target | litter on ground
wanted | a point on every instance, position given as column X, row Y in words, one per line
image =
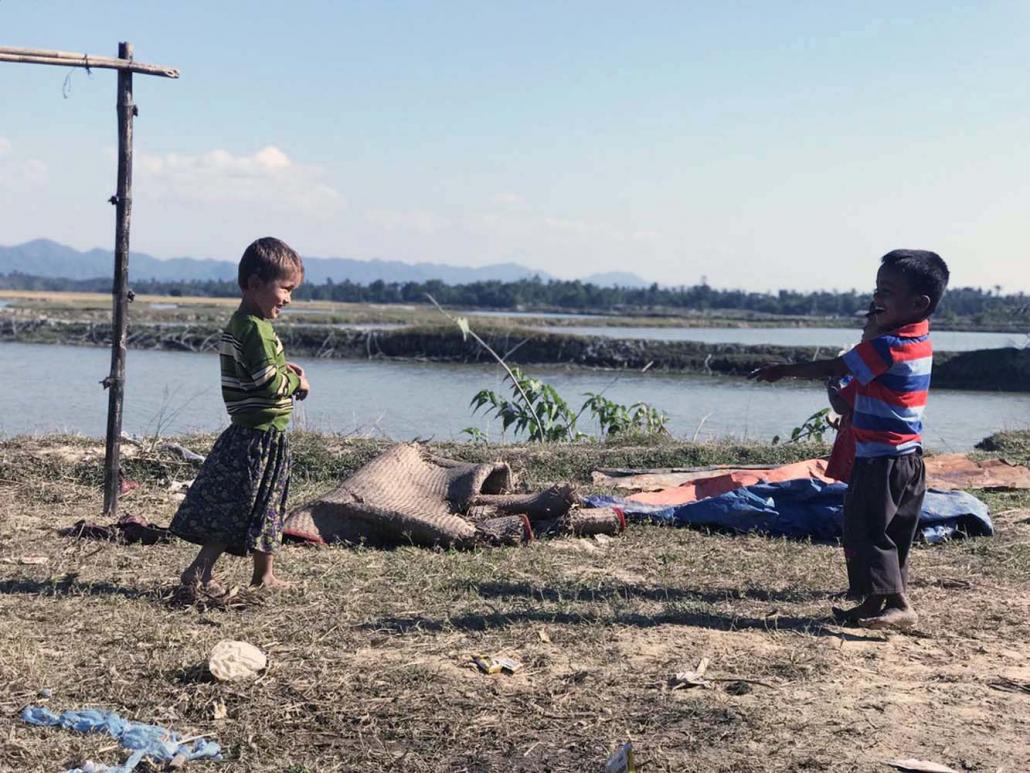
column 920, row 766
column 145, row 741
column 235, row 661
column 495, row 664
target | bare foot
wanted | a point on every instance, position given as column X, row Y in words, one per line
column 871, row 607
column 892, row 617
column 195, row 581
column 270, row 583
column 264, row 572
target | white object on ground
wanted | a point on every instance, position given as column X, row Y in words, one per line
column 233, row 661
column 923, row 766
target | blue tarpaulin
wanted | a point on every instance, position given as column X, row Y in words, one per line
column 804, row 509
column 153, row 741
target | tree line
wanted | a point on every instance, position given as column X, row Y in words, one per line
column 984, row 305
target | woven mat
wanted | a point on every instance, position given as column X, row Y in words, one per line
column 403, row 496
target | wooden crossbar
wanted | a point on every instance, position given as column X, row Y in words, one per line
column 68, row 59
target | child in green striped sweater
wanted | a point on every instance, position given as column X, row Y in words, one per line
column 238, row 501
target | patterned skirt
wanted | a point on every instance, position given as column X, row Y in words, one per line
column 239, row 497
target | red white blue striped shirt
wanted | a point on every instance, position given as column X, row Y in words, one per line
column 893, row 375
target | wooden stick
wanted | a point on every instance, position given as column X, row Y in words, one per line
column 120, row 301
column 67, row 59
column 42, row 52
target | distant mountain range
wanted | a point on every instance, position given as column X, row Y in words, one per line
column 43, row 257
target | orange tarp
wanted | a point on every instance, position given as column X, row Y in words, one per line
column 654, row 480
column 720, row 483
column 957, row 471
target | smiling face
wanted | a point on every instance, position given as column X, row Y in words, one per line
column 895, row 303
column 267, row 299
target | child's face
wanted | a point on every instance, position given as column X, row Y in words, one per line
column 895, row 303
column 267, row 299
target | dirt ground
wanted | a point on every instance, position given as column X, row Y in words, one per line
column 369, row 652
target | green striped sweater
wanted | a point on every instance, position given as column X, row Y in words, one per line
column 256, row 384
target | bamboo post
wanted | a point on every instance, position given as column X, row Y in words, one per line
column 119, row 319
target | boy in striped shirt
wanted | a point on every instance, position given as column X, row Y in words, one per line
column 888, row 482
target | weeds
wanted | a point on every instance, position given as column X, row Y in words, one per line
column 812, row 428
column 539, row 412
column 616, row 419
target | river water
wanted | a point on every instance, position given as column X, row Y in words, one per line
column 56, row 388
column 831, row 338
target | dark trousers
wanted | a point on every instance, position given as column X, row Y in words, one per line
column 881, row 515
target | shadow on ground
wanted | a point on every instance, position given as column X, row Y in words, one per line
column 524, row 592
column 70, row 585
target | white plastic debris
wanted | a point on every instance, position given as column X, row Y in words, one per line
column 924, row 766
column 233, row 661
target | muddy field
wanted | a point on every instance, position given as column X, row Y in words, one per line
column 369, row 652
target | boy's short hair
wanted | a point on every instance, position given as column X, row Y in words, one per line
column 268, row 259
column 926, row 273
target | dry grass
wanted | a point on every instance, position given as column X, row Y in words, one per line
column 369, row 653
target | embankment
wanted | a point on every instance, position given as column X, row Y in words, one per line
column 989, row 369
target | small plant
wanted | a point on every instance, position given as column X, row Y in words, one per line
column 476, row 435
column 542, row 413
column 813, row 428
column 616, row 419
column 545, row 416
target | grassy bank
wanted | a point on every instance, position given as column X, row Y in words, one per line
column 194, row 309
column 369, row 652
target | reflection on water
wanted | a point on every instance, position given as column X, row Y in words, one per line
column 528, row 314
column 369, row 325
column 174, row 392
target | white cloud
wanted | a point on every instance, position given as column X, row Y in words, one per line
column 268, row 178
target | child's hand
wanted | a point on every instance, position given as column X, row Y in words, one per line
column 303, row 388
column 296, row 368
column 767, row 373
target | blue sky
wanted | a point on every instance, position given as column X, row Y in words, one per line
column 759, row 144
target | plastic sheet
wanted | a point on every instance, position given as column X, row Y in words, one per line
column 153, row 741
column 805, row 508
